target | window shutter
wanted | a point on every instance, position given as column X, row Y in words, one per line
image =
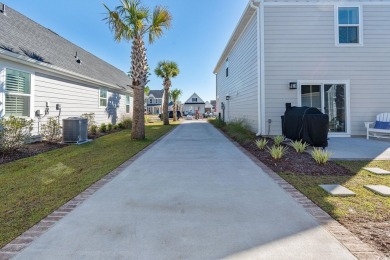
column 17, row 82
column 17, row 87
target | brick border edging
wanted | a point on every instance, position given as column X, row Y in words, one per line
column 26, row 238
column 357, row 247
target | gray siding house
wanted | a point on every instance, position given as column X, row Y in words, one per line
column 39, row 69
column 154, row 102
column 333, row 55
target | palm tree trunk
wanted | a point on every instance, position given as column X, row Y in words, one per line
column 165, row 106
column 139, row 77
column 174, row 111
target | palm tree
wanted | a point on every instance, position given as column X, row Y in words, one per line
column 175, row 94
column 166, row 70
column 131, row 22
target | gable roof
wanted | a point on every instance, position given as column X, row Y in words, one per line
column 157, row 93
column 24, row 40
column 199, row 100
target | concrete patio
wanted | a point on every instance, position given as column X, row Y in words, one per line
column 359, row 148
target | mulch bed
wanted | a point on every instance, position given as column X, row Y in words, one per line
column 377, row 234
column 32, row 149
column 28, row 150
column 293, row 162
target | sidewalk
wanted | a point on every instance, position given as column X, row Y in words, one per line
column 194, row 195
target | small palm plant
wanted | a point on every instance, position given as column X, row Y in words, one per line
column 277, row 152
column 321, row 156
column 261, row 143
column 278, row 139
column 299, row 146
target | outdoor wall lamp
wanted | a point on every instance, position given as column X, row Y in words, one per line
column 293, row 85
column 227, row 97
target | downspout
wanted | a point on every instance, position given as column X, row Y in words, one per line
column 258, row 5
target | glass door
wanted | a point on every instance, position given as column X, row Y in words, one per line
column 330, row 99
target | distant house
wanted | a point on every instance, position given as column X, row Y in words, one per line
column 44, row 75
column 154, row 102
column 213, row 103
column 208, row 107
column 194, row 104
column 333, row 55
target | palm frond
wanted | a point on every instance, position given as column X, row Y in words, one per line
column 161, row 20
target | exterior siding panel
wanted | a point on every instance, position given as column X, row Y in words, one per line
column 300, row 45
column 241, row 84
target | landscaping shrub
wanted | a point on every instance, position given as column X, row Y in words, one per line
column 299, row 146
column 94, row 129
column 261, row 143
column 91, row 120
column 14, row 132
column 109, row 127
column 278, row 139
column 321, row 156
column 115, row 127
column 51, row 131
column 239, row 130
column 277, row 152
column 103, row 128
column 127, row 123
column 218, row 123
column 120, row 126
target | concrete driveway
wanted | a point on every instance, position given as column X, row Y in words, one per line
column 194, row 195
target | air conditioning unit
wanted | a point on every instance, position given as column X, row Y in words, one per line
column 75, row 130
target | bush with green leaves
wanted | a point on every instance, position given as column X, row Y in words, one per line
column 299, row 146
column 277, row 151
column 120, row 126
column 127, row 122
column 109, row 127
column 115, row 127
column 278, row 139
column 239, row 131
column 14, row 132
column 103, row 128
column 94, row 129
column 51, row 131
column 321, row 156
column 261, row 143
column 91, row 120
column 218, row 123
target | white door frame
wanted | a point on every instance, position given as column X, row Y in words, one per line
column 347, row 100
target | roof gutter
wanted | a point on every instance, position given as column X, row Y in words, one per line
column 259, row 6
column 54, row 69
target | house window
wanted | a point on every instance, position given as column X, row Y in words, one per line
column 150, row 101
column 349, row 25
column 103, row 97
column 227, row 67
column 194, row 99
column 127, row 104
column 156, row 101
column 17, row 93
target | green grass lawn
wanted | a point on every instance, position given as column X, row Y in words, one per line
column 365, row 206
column 32, row 188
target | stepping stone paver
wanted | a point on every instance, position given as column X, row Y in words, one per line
column 377, row 170
column 380, row 189
column 337, row 190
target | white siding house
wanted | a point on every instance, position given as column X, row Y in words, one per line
column 336, row 53
column 39, row 69
column 194, row 105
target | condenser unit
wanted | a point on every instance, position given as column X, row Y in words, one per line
column 75, row 130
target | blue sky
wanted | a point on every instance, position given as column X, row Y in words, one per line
column 199, row 33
